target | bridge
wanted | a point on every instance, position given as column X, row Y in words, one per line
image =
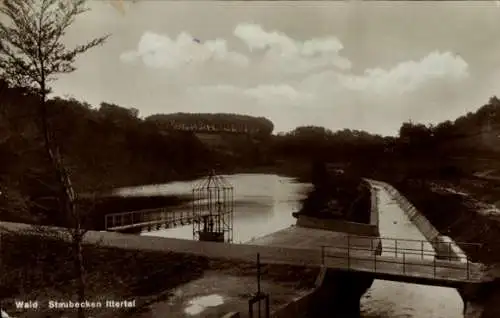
column 351, row 253
column 403, row 260
column 410, row 261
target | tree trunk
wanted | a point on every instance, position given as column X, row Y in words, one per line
column 80, row 271
column 68, row 208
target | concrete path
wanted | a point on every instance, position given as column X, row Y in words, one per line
column 295, row 237
column 388, row 206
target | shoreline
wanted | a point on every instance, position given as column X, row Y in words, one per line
column 114, row 203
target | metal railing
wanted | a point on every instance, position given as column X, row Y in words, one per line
column 402, row 257
column 150, row 217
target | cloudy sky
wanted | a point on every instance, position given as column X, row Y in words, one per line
column 355, row 65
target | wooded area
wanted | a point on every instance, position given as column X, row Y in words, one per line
column 111, row 146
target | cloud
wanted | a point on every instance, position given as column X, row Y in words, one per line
column 310, row 81
column 403, row 78
column 292, row 55
column 410, row 75
column 278, row 65
column 264, row 94
column 278, row 93
column 159, row 51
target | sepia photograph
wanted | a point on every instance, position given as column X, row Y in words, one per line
column 249, row 159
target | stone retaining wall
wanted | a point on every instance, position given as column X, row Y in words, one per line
column 301, row 306
column 328, row 296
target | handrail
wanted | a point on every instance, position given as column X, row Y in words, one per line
column 165, row 209
column 392, row 244
column 405, row 262
column 407, row 240
column 145, row 217
column 401, row 254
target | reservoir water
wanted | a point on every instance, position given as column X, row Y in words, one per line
column 264, row 203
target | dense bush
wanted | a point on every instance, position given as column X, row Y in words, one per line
column 337, row 195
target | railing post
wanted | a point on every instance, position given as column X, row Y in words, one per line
column 404, row 260
column 434, row 267
column 348, row 252
column 258, row 274
column 375, row 262
column 468, row 267
column 422, row 248
column 323, row 255
column 396, row 248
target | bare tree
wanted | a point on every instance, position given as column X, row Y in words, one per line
column 32, row 54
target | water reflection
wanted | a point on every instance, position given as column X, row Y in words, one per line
column 199, row 304
column 262, row 204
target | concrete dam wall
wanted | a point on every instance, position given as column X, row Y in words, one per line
column 444, row 246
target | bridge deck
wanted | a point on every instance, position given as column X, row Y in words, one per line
column 306, row 238
column 353, row 257
column 403, row 260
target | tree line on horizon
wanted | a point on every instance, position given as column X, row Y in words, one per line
column 212, row 122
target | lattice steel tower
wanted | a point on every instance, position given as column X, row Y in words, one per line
column 213, row 207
